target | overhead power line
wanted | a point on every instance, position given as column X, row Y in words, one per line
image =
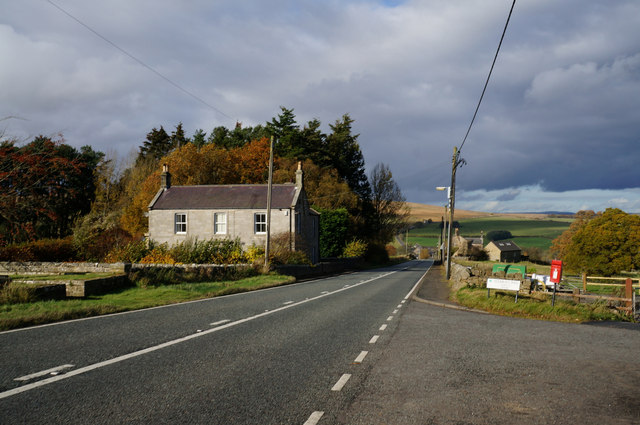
column 504, row 31
column 167, row 79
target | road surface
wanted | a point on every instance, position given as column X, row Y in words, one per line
column 289, row 355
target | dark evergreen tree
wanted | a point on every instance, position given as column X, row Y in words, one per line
column 178, row 138
column 346, row 156
column 199, row 138
column 157, row 145
column 286, row 132
column 314, row 142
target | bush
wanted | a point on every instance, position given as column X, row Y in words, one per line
column 96, row 246
column 538, row 256
column 191, row 251
column 391, row 250
column 424, row 254
column 281, row 252
column 499, row 235
column 132, row 252
column 355, row 248
column 40, row 250
column 376, row 254
column 212, row 251
column 255, row 254
column 478, row 254
column 156, row 276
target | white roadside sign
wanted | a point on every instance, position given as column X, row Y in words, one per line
column 504, row 284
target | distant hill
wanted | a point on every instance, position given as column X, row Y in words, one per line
column 435, row 213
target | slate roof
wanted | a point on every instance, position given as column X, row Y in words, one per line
column 506, row 245
column 239, row 196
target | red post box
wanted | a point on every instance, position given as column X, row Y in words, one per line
column 556, row 271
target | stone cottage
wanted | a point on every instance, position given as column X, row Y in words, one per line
column 234, row 211
column 504, row 251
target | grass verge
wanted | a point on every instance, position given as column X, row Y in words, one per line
column 14, row 316
column 537, row 306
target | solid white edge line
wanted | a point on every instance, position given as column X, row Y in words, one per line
column 220, row 322
column 374, row 339
column 44, row 372
column 103, row 316
column 361, row 357
column 314, row 418
column 341, row 382
column 417, row 283
column 118, row 359
column 383, row 327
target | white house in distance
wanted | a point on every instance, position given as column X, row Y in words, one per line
column 234, row 211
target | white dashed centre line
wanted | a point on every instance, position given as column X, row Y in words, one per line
column 383, row 327
column 395, row 311
column 341, row 382
column 374, row 339
column 361, row 357
column 144, row 351
column 53, row 371
column 390, row 318
column 399, row 306
column 314, row 418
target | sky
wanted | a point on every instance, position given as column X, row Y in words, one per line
column 558, row 128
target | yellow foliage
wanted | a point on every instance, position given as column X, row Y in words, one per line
column 158, row 256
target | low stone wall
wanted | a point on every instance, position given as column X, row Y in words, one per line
column 462, row 276
column 40, row 268
column 320, row 269
column 98, row 286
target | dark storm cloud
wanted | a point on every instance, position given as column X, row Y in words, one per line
column 561, row 112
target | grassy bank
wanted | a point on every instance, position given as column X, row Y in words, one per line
column 536, row 306
column 36, row 313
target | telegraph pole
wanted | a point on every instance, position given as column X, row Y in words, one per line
column 269, row 187
column 457, row 161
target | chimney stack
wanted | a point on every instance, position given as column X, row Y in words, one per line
column 165, row 177
column 299, row 176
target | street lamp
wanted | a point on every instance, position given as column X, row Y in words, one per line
column 448, row 230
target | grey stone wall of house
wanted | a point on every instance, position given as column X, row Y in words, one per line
column 200, row 225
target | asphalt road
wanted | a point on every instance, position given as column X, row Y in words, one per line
column 290, row 355
column 450, row 367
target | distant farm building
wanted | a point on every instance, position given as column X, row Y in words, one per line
column 503, row 251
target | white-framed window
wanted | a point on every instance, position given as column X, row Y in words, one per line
column 180, row 220
column 220, row 223
column 260, row 223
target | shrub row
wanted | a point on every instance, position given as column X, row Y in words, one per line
column 56, row 250
column 155, row 276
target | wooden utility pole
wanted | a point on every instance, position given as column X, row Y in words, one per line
column 451, row 205
column 269, row 187
column 457, row 161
